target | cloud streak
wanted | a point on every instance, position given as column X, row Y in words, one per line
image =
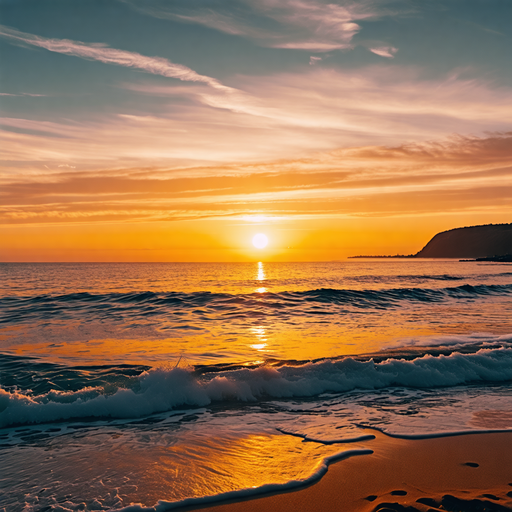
column 462, row 174
column 22, row 94
column 312, row 25
column 102, row 53
column 267, row 118
column 385, row 51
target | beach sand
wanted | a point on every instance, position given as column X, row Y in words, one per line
column 470, row 472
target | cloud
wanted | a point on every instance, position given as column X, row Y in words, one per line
column 313, row 60
column 373, row 102
column 460, row 174
column 312, row 25
column 269, row 117
column 385, row 51
column 329, row 26
column 22, row 94
column 102, row 53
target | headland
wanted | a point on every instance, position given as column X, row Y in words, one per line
column 489, row 242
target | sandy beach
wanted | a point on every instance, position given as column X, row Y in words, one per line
column 470, row 472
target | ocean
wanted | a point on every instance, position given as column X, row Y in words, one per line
column 147, row 386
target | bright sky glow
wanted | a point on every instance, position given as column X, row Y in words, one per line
column 345, row 127
column 256, row 218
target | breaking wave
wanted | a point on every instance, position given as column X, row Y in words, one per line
column 159, row 390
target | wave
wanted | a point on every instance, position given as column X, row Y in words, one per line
column 205, row 305
column 160, row 390
column 412, row 277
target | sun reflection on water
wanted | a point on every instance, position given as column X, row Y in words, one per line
column 261, row 338
column 221, row 464
column 174, row 464
column 260, row 276
column 261, row 272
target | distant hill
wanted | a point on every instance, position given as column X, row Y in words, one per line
column 470, row 242
column 490, row 242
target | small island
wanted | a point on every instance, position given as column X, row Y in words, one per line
column 399, row 256
column 505, row 258
column 488, row 242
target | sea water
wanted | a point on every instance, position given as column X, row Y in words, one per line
column 153, row 385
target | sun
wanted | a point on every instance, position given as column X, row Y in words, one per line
column 260, row 241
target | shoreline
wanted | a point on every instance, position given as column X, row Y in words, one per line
column 456, row 472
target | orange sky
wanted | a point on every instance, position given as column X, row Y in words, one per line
column 335, row 128
column 367, row 200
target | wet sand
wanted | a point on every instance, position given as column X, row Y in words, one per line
column 470, row 472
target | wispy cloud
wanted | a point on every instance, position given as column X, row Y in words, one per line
column 460, row 174
column 102, row 53
column 269, row 117
column 329, row 26
column 22, row 94
column 312, row 25
column 385, row 51
column 373, row 102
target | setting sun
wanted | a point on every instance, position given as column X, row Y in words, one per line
column 260, row 241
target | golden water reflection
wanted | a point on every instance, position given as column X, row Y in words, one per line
column 169, row 464
column 261, row 338
column 260, row 276
column 226, row 465
column 261, row 272
column 302, row 341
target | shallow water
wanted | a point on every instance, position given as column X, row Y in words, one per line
column 233, row 313
column 134, row 383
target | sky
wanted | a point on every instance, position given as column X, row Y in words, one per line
column 176, row 130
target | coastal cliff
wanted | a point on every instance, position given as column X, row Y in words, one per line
column 470, row 242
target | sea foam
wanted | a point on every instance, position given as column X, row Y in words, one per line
column 161, row 389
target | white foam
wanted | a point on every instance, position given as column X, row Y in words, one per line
column 343, row 440
column 453, row 341
column 162, row 390
column 435, row 435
